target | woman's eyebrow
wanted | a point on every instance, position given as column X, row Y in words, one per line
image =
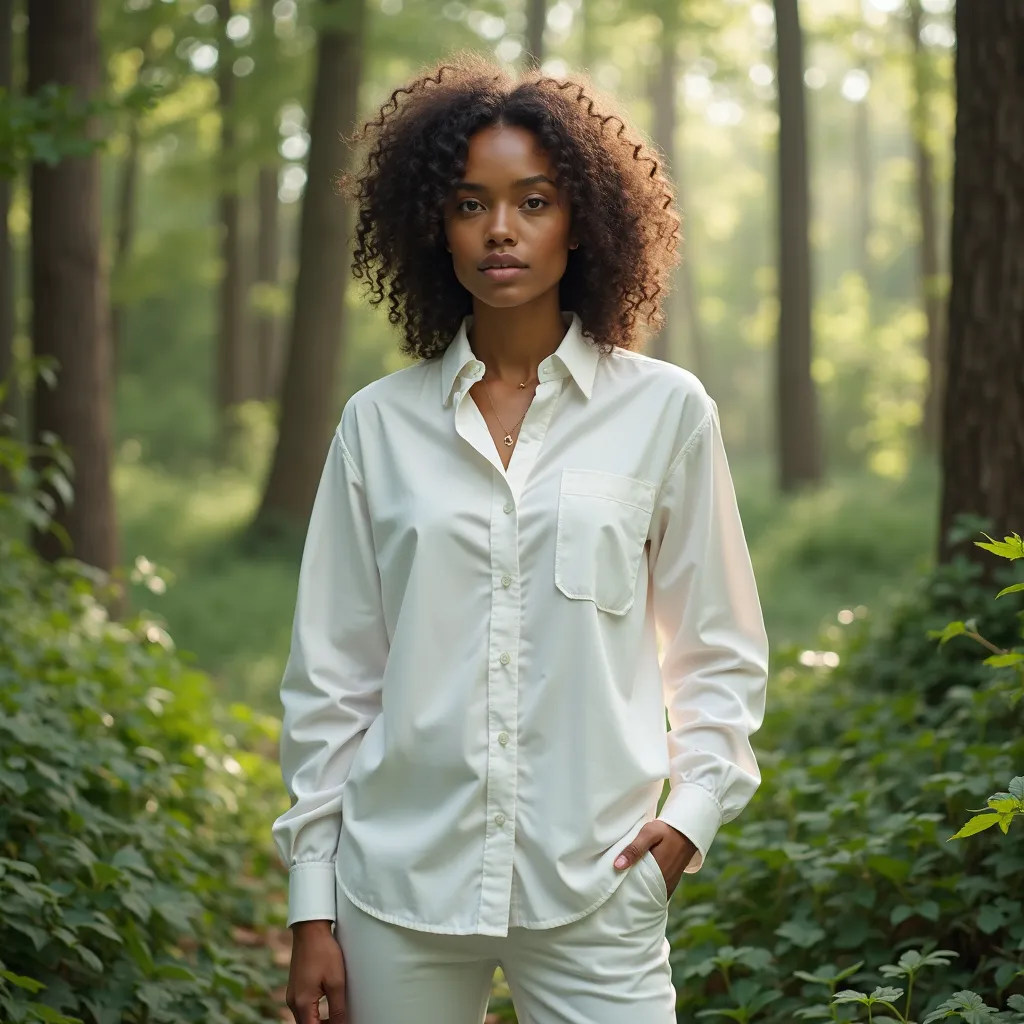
column 473, row 186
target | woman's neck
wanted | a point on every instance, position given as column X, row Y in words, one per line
column 513, row 342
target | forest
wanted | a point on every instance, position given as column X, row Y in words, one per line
column 180, row 329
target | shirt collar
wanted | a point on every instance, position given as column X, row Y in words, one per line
column 575, row 357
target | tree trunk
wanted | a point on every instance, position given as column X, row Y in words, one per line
column 928, row 253
column 7, row 400
column 688, row 299
column 798, row 439
column 536, row 19
column 307, row 396
column 663, row 104
column 124, row 232
column 69, row 300
column 267, row 256
column 267, row 332
column 983, row 418
column 231, row 383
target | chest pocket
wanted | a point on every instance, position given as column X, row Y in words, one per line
column 603, row 520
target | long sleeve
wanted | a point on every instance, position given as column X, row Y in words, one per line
column 331, row 687
column 715, row 650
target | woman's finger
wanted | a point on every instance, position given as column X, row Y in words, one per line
column 337, row 1009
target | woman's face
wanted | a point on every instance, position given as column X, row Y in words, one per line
column 508, row 204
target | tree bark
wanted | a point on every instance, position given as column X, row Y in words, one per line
column 268, row 253
column 69, row 300
column 307, row 395
column 124, row 232
column 799, row 443
column 663, row 105
column 536, row 19
column 231, row 378
column 7, row 401
column 268, row 249
column 983, row 417
column 928, row 251
column 688, row 298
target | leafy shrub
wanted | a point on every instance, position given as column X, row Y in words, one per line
column 136, row 872
column 842, row 864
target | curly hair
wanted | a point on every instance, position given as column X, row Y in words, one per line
column 622, row 203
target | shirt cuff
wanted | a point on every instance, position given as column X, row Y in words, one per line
column 312, row 892
column 692, row 810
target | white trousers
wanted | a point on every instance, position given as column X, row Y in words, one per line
column 609, row 967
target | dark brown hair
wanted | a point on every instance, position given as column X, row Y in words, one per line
column 622, row 204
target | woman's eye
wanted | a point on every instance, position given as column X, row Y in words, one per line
column 532, row 199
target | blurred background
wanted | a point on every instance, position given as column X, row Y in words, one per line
column 179, row 332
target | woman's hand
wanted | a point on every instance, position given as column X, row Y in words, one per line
column 317, row 969
column 671, row 849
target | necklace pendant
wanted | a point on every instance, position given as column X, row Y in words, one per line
column 523, row 385
column 508, row 440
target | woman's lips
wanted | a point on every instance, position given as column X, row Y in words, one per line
column 504, row 273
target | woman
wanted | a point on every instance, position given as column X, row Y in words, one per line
column 474, row 702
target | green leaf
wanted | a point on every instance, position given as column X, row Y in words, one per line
column 990, row 919
column 50, row 1015
column 104, row 874
column 1016, row 788
column 29, row 984
column 977, row 824
column 1011, row 547
column 814, row 1013
column 800, row 933
column 1014, row 589
column 1004, row 660
column 174, row 972
column 951, row 630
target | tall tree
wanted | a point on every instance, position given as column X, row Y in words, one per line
column 983, row 418
column 68, row 288
column 268, row 244
column 317, row 327
column 126, row 203
column 6, row 260
column 799, row 440
column 928, row 259
column 664, row 81
column 865, row 169
column 536, row 19
column 662, row 90
column 231, row 378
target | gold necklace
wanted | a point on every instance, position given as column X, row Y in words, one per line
column 508, row 433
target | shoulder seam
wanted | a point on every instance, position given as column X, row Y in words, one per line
column 682, row 453
column 348, row 456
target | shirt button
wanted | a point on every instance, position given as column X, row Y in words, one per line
column 506, row 580
column 499, row 819
column 503, row 738
column 504, row 659
column 507, row 507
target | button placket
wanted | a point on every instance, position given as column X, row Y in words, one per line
column 502, row 714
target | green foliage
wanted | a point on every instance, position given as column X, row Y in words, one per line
column 842, row 863
column 137, row 878
column 52, row 125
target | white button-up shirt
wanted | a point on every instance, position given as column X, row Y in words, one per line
column 474, row 698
